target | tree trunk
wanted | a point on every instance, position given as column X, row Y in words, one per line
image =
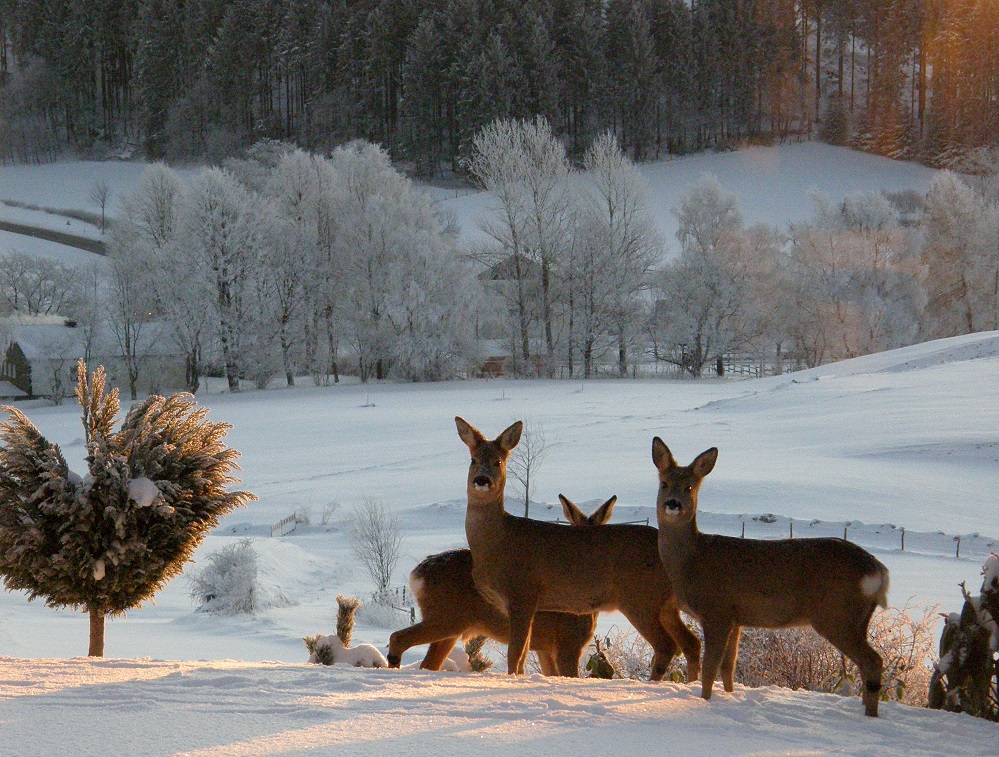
column 97, row 618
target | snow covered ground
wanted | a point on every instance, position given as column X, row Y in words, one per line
column 904, row 439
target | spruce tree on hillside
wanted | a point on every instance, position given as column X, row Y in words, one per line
column 110, row 541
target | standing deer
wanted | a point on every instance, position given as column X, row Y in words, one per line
column 521, row 566
column 452, row 608
column 727, row 582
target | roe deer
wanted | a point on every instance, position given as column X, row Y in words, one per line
column 728, row 582
column 452, row 608
column 521, row 566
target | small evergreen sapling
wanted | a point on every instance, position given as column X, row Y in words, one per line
column 108, row 542
column 346, row 608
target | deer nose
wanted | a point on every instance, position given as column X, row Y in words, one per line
column 673, row 505
column 482, row 482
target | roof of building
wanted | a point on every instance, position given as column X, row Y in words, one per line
column 52, row 341
column 10, row 392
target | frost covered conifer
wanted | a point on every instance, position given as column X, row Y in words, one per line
column 110, row 541
column 966, row 678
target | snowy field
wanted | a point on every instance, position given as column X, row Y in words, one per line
column 904, row 439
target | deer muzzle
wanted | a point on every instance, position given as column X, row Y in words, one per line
column 672, row 506
column 482, row 483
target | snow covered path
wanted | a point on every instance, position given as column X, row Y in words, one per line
column 237, row 709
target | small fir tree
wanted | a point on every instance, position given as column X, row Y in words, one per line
column 346, row 607
column 477, row 661
column 110, row 541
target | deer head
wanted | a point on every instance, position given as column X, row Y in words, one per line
column 678, row 484
column 576, row 517
column 487, row 471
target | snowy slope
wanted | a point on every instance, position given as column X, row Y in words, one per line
column 774, row 184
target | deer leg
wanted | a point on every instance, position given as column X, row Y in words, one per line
column 576, row 634
column 663, row 646
column 549, row 665
column 437, row 653
column 729, row 658
column 521, row 617
column 851, row 640
column 669, row 616
column 423, row 632
column 715, row 640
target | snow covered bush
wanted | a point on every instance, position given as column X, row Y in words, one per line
column 966, row 678
column 329, row 650
column 108, row 542
column 228, row 582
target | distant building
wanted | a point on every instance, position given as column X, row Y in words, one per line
column 40, row 358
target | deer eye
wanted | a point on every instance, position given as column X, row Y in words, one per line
column 689, row 488
column 664, row 486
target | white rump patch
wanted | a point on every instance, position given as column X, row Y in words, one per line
column 415, row 586
column 872, row 584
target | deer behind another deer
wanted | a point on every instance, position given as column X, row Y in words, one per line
column 521, row 566
column 452, row 608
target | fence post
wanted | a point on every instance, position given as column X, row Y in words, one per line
column 791, row 524
column 903, row 539
column 844, row 532
column 958, row 552
column 743, row 529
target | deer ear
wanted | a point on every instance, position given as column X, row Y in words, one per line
column 509, row 438
column 572, row 513
column 468, row 433
column 661, row 455
column 704, row 463
column 602, row 514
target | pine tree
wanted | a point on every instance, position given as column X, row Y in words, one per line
column 109, row 542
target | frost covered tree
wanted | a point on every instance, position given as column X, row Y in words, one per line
column 619, row 245
column 149, row 236
column 223, row 237
column 525, row 167
column 376, row 538
column 109, row 541
column 704, row 302
column 961, row 236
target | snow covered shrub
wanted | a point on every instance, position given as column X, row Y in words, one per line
column 329, row 650
column 228, row 583
column 966, row 678
column 108, row 542
column 376, row 539
column 379, row 612
column 631, row 656
column 798, row 658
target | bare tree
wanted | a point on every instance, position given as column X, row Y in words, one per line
column 99, row 195
column 376, row 538
column 526, row 458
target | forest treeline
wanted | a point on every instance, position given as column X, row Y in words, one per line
column 203, row 78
